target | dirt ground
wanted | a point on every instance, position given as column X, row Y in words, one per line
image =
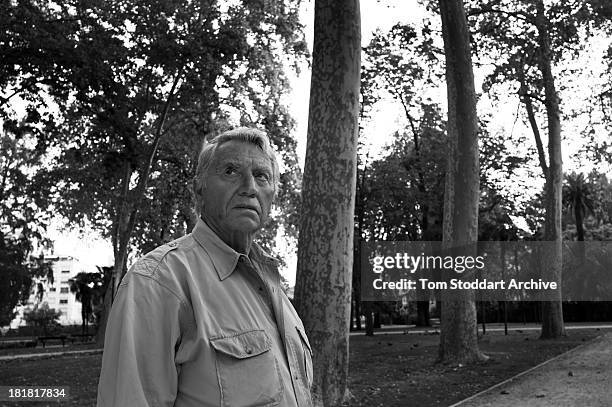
column 385, row 370
column 400, row 370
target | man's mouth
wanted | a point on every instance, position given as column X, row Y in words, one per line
column 252, row 208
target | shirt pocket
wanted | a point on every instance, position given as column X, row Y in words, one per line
column 307, row 354
column 247, row 370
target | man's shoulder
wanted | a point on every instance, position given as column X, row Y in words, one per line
column 158, row 256
column 165, row 264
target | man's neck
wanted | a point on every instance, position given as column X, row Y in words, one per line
column 239, row 241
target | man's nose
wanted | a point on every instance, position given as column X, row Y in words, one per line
column 248, row 186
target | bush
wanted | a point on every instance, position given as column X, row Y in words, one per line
column 42, row 317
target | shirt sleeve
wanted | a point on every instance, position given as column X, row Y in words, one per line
column 138, row 365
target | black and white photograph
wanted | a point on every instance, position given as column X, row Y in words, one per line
column 306, row 203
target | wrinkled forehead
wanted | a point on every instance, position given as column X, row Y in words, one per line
column 241, row 153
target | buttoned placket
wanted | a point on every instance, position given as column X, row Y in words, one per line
column 302, row 393
column 261, row 286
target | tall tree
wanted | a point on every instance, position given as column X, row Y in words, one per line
column 458, row 338
column 88, row 290
column 325, row 245
column 528, row 39
column 403, row 63
column 552, row 311
column 22, row 225
column 134, row 79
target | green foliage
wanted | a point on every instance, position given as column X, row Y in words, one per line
column 15, row 279
column 403, row 192
column 577, row 193
column 97, row 81
column 17, row 269
column 402, row 63
column 400, row 195
column 602, row 196
column 506, row 33
column 42, row 317
column 89, row 289
column 21, row 223
column 590, row 198
column 508, row 45
column 406, row 187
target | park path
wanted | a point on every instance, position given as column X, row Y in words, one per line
column 580, row 377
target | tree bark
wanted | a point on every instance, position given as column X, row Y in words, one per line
column 325, row 243
column 458, row 338
column 552, row 312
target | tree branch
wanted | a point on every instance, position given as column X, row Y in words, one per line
column 520, row 15
column 534, row 127
column 144, row 177
column 533, row 96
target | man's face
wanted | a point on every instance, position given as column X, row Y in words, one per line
column 239, row 189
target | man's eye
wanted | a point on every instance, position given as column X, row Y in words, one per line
column 230, row 171
column 263, row 177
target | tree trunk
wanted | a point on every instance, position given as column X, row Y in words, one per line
column 579, row 222
column 377, row 323
column 325, row 243
column 502, row 255
column 356, row 278
column 458, row 336
column 483, row 314
column 355, row 305
column 369, row 320
column 423, row 313
column 552, row 312
column 580, row 247
column 358, row 326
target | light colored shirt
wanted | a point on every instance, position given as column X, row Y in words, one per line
column 195, row 323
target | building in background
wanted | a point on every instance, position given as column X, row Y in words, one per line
column 55, row 293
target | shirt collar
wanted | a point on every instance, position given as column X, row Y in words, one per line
column 223, row 257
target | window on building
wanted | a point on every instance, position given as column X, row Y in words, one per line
column 63, row 301
column 65, row 271
column 64, row 290
column 51, row 288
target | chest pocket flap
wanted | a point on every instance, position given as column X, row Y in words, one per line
column 243, row 345
column 247, row 370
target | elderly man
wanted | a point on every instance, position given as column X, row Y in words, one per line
column 202, row 321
